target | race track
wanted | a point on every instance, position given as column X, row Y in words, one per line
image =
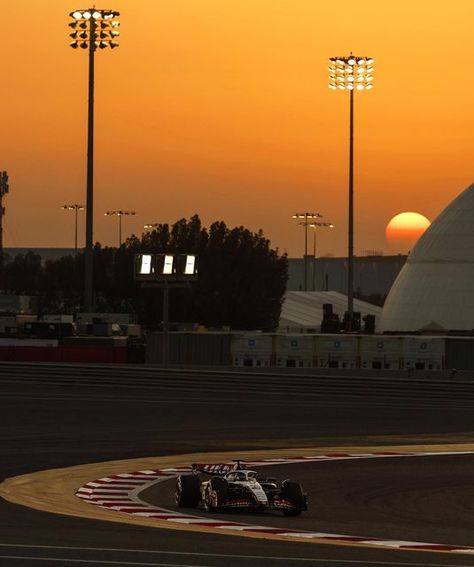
column 52, row 420
column 380, row 498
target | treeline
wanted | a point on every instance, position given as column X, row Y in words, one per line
column 241, row 281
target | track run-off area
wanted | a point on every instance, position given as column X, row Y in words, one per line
column 66, row 429
column 51, row 491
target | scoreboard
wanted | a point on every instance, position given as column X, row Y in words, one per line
column 166, row 267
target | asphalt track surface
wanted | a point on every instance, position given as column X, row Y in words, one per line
column 55, row 419
column 379, row 497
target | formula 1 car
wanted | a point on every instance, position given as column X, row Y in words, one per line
column 235, row 487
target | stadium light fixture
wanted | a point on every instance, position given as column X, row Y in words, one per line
column 76, row 208
column 305, row 221
column 352, row 73
column 89, row 22
column 120, row 214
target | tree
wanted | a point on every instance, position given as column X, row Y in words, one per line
column 61, row 284
column 241, row 279
column 23, row 274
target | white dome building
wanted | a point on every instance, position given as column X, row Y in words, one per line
column 435, row 288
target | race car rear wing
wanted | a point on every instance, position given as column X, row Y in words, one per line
column 217, row 469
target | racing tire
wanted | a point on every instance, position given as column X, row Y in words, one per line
column 293, row 492
column 219, row 486
column 188, row 491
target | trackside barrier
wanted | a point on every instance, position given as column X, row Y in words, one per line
column 206, row 349
column 423, row 353
column 382, row 352
column 459, row 353
column 294, row 351
column 63, row 354
column 264, row 350
column 338, row 351
column 253, row 350
column 305, row 350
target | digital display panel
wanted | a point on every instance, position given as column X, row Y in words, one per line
column 168, row 265
column 190, row 265
column 172, row 268
column 145, row 264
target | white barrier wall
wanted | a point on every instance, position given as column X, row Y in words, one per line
column 337, row 351
column 381, row 352
column 252, row 350
column 384, row 352
column 423, row 353
column 294, row 351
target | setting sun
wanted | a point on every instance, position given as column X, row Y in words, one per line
column 224, row 109
column 404, row 229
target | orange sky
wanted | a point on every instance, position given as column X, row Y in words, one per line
column 221, row 108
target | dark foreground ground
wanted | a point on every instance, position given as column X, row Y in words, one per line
column 51, row 424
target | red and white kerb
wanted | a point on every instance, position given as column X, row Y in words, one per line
column 120, row 493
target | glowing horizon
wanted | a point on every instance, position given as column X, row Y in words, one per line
column 224, row 110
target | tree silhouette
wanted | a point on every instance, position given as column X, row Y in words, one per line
column 241, row 279
column 23, row 274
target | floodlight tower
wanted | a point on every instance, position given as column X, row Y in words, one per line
column 4, row 190
column 120, row 214
column 74, row 208
column 93, row 29
column 305, row 223
column 352, row 73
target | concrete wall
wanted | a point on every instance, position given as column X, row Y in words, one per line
column 323, row 351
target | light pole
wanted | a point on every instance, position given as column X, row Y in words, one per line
column 4, row 190
column 93, row 29
column 74, row 208
column 120, row 214
column 352, row 73
column 305, row 223
column 315, row 226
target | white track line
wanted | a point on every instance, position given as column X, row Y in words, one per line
column 221, row 555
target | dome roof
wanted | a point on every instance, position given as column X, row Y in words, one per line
column 436, row 284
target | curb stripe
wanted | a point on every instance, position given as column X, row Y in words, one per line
column 119, row 493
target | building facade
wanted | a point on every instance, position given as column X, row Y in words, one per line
column 373, row 275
